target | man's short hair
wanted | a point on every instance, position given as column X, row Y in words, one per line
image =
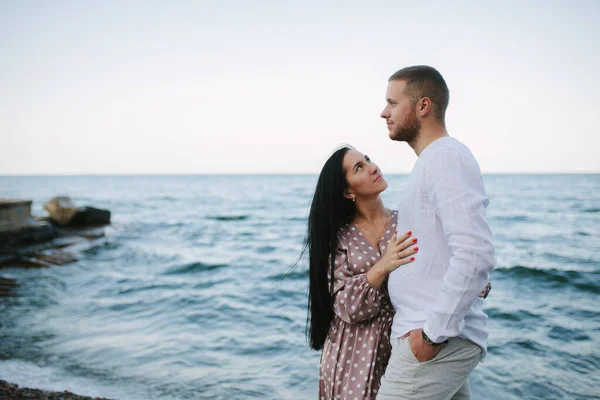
column 424, row 81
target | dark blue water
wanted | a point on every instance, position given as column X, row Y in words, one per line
column 184, row 297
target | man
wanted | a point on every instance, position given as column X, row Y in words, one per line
column 439, row 332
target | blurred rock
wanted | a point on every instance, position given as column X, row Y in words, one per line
column 35, row 242
column 32, row 231
column 90, row 216
column 63, row 212
column 61, row 209
column 10, row 391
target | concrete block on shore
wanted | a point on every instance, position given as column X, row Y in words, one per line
column 14, row 214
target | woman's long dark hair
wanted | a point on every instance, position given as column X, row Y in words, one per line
column 329, row 211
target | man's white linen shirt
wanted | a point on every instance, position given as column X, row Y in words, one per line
column 444, row 205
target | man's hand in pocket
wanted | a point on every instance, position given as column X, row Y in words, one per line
column 422, row 351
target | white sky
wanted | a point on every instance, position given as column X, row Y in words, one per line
column 275, row 86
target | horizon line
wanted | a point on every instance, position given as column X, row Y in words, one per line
column 70, row 174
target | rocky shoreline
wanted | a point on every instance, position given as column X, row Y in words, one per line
column 39, row 242
column 10, row 391
column 32, row 242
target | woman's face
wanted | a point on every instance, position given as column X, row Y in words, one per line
column 363, row 176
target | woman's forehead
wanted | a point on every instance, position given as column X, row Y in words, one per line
column 353, row 156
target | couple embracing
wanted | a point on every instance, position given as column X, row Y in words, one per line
column 396, row 296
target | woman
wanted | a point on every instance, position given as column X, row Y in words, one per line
column 350, row 314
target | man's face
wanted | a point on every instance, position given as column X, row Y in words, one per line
column 400, row 114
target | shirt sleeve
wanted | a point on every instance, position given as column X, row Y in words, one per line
column 455, row 188
column 354, row 299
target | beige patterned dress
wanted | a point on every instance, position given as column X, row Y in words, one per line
column 357, row 349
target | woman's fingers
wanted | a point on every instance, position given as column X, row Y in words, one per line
column 401, row 246
column 397, row 239
column 408, row 253
column 407, row 243
column 403, row 242
column 404, row 261
column 401, row 238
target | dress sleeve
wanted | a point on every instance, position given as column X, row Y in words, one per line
column 354, row 299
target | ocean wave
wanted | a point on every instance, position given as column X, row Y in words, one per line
column 511, row 218
column 577, row 313
column 141, row 229
column 569, row 260
column 581, row 233
column 193, row 268
column 567, row 335
column 229, row 217
column 266, row 249
column 163, row 198
column 102, row 247
column 517, row 316
column 528, row 345
column 585, row 281
column 292, row 274
column 209, row 284
column 144, row 288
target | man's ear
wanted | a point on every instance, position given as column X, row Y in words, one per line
column 424, row 106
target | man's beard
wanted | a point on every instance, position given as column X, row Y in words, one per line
column 409, row 130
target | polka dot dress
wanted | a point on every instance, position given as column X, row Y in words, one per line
column 357, row 348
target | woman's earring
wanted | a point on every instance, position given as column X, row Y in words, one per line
column 354, row 199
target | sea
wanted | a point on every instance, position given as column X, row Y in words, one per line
column 193, row 294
